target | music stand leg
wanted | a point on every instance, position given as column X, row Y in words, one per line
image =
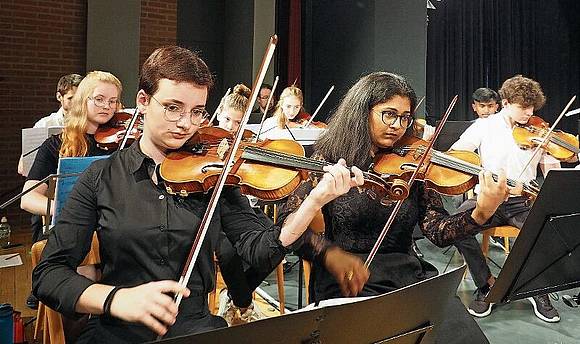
column 300, row 281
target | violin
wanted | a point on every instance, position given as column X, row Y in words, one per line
column 110, row 134
column 449, row 173
column 302, row 119
column 560, row 145
column 268, row 170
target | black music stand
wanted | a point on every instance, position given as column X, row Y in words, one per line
column 450, row 134
column 407, row 315
column 545, row 256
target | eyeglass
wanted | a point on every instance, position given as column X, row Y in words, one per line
column 101, row 102
column 390, row 118
column 174, row 113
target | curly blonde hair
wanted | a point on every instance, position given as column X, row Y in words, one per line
column 74, row 141
column 523, row 91
column 290, row 91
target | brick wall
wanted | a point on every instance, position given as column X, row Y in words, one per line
column 39, row 42
column 158, row 26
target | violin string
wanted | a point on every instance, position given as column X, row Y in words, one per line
column 295, row 161
column 448, row 161
column 315, row 165
column 290, row 159
column 555, row 139
column 282, row 158
column 564, row 144
column 545, row 139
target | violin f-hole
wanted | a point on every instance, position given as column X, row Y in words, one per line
column 205, row 169
column 408, row 167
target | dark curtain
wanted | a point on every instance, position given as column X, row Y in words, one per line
column 481, row 43
column 289, row 48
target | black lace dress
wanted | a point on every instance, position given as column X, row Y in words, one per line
column 353, row 222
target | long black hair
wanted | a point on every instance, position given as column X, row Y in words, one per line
column 348, row 133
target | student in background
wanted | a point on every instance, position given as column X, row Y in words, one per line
column 485, row 102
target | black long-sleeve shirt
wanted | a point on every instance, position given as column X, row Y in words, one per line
column 145, row 234
column 354, row 221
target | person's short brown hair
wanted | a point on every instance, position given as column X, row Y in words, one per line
column 523, row 91
column 67, row 82
column 176, row 64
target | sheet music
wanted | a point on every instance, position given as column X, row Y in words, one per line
column 305, row 136
column 32, row 138
column 8, row 260
column 333, row 302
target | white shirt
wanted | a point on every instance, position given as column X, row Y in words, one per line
column 492, row 137
column 55, row 119
column 271, row 131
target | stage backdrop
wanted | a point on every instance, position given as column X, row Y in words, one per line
column 480, row 43
column 344, row 40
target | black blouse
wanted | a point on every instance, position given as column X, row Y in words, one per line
column 354, row 221
column 145, row 233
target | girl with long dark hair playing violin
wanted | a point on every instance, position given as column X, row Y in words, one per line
column 372, row 117
column 145, row 233
column 492, row 137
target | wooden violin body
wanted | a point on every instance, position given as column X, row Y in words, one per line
column 268, row 170
column 302, row 120
column 110, row 134
column 442, row 173
column 197, row 168
column 560, row 145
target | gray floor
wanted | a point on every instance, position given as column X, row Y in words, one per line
column 514, row 322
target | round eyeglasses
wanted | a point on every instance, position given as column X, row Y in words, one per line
column 390, row 118
column 174, row 112
column 102, row 103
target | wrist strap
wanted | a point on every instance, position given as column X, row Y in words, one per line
column 109, row 300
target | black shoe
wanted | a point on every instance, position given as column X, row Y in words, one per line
column 543, row 308
column 32, row 302
column 478, row 307
column 417, row 250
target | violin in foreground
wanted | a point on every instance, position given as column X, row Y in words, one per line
column 560, row 145
column 450, row 173
column 268, row 170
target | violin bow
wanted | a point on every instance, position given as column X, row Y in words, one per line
column 267, row 107
column 219, row 105
column 398, row 204
column 419, row 104
column 547, row 137
column 130, row 128
column 319, row 106
column 228, row 163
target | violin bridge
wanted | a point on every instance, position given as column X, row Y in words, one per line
column 223, row 149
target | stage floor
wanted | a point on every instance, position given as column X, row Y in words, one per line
column 509, row 323
column 514, row 322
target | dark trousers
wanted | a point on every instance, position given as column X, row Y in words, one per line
column 511, row 213
column 240, row 278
